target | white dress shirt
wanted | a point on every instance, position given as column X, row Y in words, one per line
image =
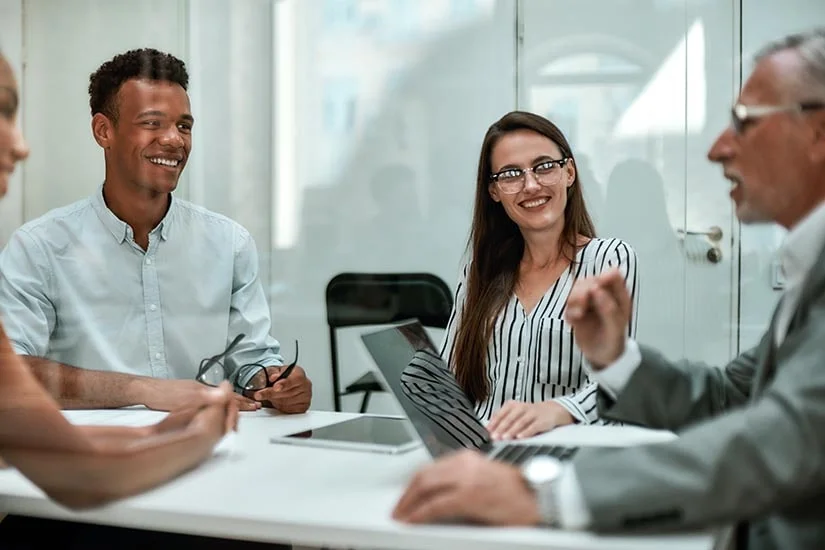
column 76, row 288
column 533, row 357
column 798, row 254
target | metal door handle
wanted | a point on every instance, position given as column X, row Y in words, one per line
column 714, row 233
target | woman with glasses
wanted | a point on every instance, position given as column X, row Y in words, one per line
column 531, row 238
column 83, row 466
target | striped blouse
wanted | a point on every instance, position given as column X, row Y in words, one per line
column 534, row 357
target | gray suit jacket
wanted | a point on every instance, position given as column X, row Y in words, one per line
column 751, row 445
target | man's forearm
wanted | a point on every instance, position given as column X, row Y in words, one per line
column 76, row 388
column 114, row 468
column 672, row 395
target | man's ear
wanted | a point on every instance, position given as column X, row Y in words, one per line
column 102, row 130
column 818, row 143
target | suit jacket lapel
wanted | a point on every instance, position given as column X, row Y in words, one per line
column 811, row 288
column 765, row 368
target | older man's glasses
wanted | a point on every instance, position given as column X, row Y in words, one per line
column 548, row 173
column 744, row 115
column 250, row 377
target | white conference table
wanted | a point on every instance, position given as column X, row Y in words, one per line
column 256, row 490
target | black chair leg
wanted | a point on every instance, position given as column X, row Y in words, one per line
column 365, row 401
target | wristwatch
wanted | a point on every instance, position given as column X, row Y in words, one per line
column 541, row 473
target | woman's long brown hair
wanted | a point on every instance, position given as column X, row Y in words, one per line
column 497, row 247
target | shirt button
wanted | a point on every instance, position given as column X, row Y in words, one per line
column 153, row 307
column 148, row 261
column 158, row 355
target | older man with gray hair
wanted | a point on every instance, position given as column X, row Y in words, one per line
column 751, row 449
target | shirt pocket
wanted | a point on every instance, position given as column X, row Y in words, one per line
column 559, row 359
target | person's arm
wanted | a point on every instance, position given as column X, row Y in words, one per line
column 29, row 315
column 766, row 456
column 583, row 405
column 114, row 464
column 77, row 388
column 249, row 312
column 249, row 315
column 599, row 309
column 26, row 302
column 87, row 466
column 672, row 395
column 26, row 295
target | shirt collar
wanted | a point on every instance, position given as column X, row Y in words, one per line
column 802, row 246
column 120, row 230
column 168, row 220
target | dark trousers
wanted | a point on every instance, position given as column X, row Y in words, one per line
column 25, row 533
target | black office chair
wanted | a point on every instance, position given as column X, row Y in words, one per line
column 357, row 299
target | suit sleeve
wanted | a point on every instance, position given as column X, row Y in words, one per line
column 739, row 464
column 671, row 396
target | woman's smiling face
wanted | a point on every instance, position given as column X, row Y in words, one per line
column 13, row 147
column 539, row 205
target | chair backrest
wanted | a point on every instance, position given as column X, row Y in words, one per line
column 354, row 299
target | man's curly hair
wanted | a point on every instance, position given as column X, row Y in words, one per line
column 145, row 63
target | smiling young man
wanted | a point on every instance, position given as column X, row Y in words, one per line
column 132, row 285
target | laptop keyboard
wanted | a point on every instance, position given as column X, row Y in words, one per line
column 519, row 454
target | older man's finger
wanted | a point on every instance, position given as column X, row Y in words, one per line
column 606, row 304
column 442, row 506
column 579, row 300
column 616, row 285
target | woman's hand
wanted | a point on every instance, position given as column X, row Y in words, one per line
column 517, row 420
column 218, row 412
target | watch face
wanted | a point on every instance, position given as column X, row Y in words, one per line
column 542, row 469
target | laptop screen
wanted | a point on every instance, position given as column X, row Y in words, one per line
column 426, row 389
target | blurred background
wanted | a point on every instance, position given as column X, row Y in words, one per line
column 344, row 135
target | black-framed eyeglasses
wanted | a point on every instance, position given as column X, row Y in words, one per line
column 213, row 370
column 548, row 173
column 742, row 115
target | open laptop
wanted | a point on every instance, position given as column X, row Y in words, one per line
column 439, row 410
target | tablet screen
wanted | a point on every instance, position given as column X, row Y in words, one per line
column 371, row 430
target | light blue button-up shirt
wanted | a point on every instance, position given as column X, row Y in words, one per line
column 76, row 288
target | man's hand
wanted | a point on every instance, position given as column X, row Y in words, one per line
column 468, row 486
column 168, row 395
column 517, row 420
column 599, row 309
column 292, row 395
